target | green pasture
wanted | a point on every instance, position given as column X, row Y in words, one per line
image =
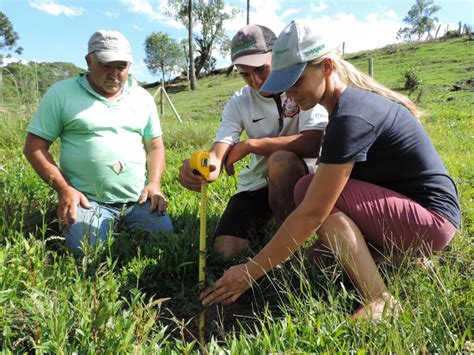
column 139, row 293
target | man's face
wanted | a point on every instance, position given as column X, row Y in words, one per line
column 256, row 76
column 107, row 79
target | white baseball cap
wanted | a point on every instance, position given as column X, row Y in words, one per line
column 296, row 45
column 110, row 46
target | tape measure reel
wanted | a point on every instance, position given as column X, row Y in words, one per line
column 200, row 164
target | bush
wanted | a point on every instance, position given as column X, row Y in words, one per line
column 412, row 79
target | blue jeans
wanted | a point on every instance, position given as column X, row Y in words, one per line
column 97, row 222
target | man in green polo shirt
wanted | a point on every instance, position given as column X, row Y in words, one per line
column 112, row 154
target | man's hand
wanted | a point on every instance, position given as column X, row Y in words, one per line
column 229, row 287
column 193, row 181
column 159, row 203
column 69, row 198
column 237, row 152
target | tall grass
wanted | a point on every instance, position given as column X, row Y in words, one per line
column 139, row 294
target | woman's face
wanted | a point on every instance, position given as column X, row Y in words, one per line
column 310, row 87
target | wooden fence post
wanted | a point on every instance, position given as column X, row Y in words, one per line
column 162, row 109
column 371, row 67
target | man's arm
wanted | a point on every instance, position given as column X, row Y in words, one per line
column 217, row 155
column 36, row 151
column 155, row 159
column 305, row 144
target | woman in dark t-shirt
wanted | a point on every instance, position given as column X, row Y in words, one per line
column 380, row 181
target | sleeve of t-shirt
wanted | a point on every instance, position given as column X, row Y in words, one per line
column 314, row 119
column 231, row 126
column 347, row 138
column 153, row 127
column 47, row 120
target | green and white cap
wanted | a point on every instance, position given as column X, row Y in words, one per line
column 251, row 45
column 296, row 45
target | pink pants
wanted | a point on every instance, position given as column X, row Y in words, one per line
column 387, row 219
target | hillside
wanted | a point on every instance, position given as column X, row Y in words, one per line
column 442, row 66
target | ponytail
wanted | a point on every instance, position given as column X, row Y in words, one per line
column 349, row 74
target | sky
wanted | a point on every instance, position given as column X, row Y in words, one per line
column 58, row 30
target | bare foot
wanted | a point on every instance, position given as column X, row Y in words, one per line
column 377, row 309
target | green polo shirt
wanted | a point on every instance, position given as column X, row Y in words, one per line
column 102, row 152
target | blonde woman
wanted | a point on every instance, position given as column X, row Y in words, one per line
column 380, row 181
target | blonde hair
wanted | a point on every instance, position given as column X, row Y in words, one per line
column 349, row 74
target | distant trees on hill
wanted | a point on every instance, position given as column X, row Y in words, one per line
column 28, row 82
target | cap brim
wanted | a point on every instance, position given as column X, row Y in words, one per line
column 281, row 80
column 252, row 60
column 111, row 56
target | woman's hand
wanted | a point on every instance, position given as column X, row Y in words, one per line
column 235, row 281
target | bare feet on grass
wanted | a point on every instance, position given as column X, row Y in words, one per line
column 377, row 309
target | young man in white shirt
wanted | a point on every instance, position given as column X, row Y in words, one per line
column 280, row 136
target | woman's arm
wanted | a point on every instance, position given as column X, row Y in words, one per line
column 322, row 194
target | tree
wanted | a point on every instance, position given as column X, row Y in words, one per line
column 163, row 54
column 209, row 65
column 420, row 20
column 192, row 72
column 211, row 15
column 183, row 11
column 248, row 12
column 8, row 37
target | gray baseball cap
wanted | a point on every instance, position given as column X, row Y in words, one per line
column 251, row 45
column 110, row 46
column 298, row 43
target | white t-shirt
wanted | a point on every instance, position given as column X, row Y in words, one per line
column 259, row 117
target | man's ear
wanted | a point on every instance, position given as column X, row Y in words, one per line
column 88, row 59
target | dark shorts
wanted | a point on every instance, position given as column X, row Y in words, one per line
column 246, row 216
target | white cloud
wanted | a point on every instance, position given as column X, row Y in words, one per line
column 264, row 12
column 157, row 13
column 318, row 8
column 140, row 71
column 4, row 61
column 50, row 7
column 375, row 31
column 110, row 14
column 289, row 12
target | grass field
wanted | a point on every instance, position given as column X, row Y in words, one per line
column 139, row 293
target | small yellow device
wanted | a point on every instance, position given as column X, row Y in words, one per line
column 200, row 165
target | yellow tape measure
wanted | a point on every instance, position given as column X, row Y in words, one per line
column 200, row 165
